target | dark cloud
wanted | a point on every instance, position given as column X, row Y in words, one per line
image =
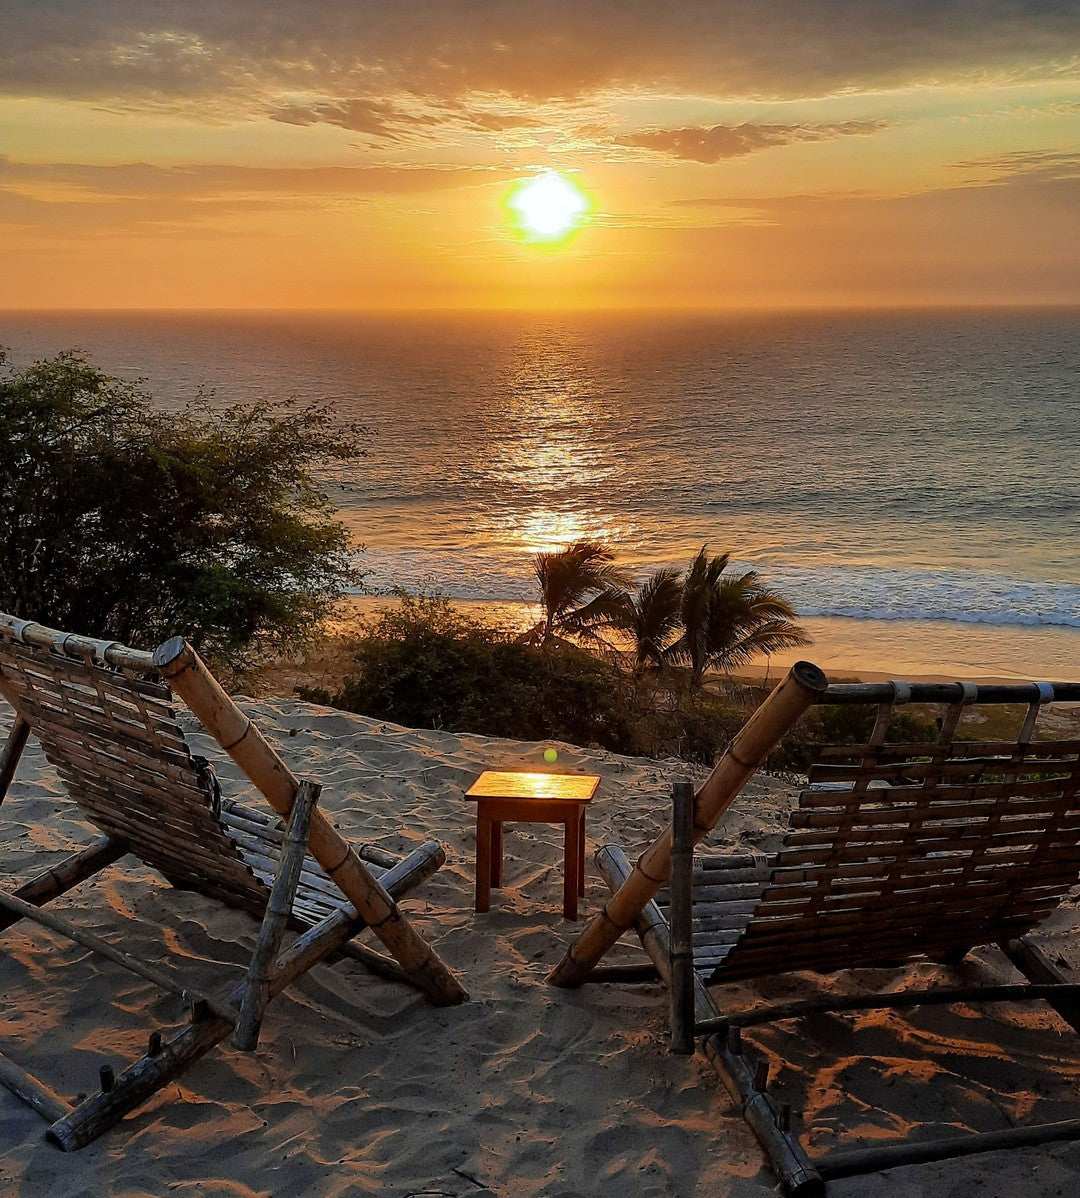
column 293, row 56
column 716, row 142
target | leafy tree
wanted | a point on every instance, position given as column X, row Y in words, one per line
column 124, row 521
column 729, row 619
column 579, row 589
column 650, row 617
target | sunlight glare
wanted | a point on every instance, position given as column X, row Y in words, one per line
column 548, row 206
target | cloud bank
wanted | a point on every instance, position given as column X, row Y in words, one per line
column 356, row 63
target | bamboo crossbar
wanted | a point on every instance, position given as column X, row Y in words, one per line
column 856, row 1162
column 889, row 1000
column 950, row 693
column 798, row 1175
column 63, row 927
column 34, row 1092
column 82, row 647
column 60, row 878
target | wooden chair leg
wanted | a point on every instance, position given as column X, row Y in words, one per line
column 13, row 750
column 483, row 861
column 681, row 916
column 257, row 984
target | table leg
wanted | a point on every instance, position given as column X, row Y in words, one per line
column 496, row 853
column 571, row 867
column 483, row 861
column 581, row 852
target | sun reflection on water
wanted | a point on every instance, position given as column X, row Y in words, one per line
column 559, row 450
column 545, row 530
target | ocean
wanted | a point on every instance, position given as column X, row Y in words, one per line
column 909, row 480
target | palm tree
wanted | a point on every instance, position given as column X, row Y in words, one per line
column 651, row 617
column 579, row 588
column 727, row 621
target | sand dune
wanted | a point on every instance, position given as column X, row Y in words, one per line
column 358, row 1087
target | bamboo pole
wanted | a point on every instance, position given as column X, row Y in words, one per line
column 239, row 737
column 803, row 686
column 954, row 692
column 60, row 878
column 680, row 917
column 894, row 1000
column 857, row 1161
column 13, row 750
column 653, row 932
column 278, row 909
column 35, row 1093
column 798, row 1175
column 111, row 652
column 88, row 940
column 384, row 967
column 155, row 1070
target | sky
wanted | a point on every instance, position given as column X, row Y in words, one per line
column 330, row 155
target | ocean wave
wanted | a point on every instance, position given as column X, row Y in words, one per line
column 858, row 592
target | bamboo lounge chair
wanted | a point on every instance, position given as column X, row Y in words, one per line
column 104, row 716
column 896, row 851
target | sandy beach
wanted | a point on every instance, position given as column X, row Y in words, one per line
column 359, row 1087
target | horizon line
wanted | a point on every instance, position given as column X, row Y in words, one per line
column 627, row 309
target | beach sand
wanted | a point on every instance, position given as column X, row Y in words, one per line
column 358, row 1087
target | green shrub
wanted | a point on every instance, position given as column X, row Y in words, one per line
column 424, row 664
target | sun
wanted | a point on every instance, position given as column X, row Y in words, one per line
column 547, row 207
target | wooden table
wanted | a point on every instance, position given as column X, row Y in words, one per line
column 530, row 798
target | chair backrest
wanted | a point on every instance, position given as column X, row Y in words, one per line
column 903, row 850
column 111, row 732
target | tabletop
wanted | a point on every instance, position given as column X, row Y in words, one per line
column 570, row 788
